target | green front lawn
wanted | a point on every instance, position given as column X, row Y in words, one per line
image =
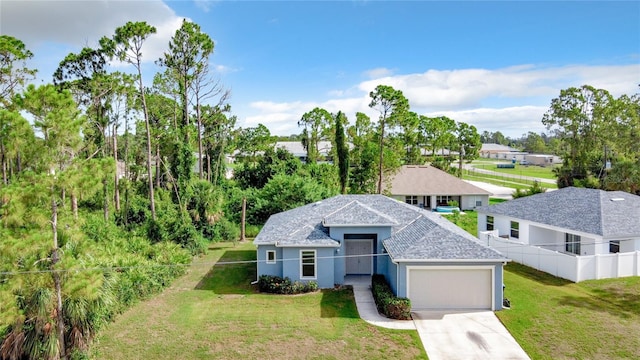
column 214, row 312
column 556, row 319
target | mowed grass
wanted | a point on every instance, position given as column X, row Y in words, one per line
column 521, row 170
column 552, row 318
column 213, row 312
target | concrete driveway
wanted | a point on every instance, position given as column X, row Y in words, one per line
column 465, row 335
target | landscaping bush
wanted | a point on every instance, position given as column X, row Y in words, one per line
column 277, row 285
column 387, row 303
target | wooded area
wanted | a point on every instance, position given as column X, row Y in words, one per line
column 110, row 185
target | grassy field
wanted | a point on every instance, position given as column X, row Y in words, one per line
column 519, row 170
column 214, row 313
column 505, row 181
column 556, row 319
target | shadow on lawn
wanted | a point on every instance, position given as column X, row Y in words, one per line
column 338, row 303
column 232, row 274
column 535, row 275
column 615, row 301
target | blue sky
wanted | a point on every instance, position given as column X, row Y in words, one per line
column 495, row 65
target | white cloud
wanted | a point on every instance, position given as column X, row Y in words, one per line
column 514, row 121
column 83, row 23
column 378, row 73
column 511, row 100
column 204, row 5
column 469, row 88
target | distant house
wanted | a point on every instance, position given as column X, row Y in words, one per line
column 574, row 233
column 497, row 151
column 428, row 187
column 296, row 148
column 423, row 256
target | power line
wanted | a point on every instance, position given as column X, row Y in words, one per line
column 214, row 263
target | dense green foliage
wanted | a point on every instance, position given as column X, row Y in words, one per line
column 277, row 285
column 387, row 303
column 536, row 188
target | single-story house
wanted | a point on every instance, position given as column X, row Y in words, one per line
column 574, row 233
column 490, row 151
column 428, row 187
column 542, row 160
column 423, row 256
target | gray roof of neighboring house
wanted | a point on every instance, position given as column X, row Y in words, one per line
column 416, row 234
column 606, row 213
column 428, row 180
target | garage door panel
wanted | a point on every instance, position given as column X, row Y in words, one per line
column 450, row 288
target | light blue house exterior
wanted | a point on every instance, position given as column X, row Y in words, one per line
column 423, row 256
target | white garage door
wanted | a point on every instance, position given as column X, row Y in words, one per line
column 450, row 288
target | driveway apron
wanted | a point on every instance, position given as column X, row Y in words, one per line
column 465, row 335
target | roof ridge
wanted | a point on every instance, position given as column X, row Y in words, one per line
column 339, row 209
column 411, row 222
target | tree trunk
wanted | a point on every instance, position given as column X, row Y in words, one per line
column 158, row 170
column 4, row 166
column 116, row 192
column 381, row 156
column 56, row 278
column 152, row 201
column 208, row 165
column 74, row 204
column 200, row 167
column 243, row 219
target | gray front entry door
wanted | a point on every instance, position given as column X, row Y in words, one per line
column 359, row 260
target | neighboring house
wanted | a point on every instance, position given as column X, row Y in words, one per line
column 574, row 233
column 542, row 160
column 429, row 187
column 497, row 151
column 423, row 256
column 297, row 149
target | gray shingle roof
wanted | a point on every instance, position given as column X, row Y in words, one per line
column 605, row 213
column 416, row 234
column 356, row 213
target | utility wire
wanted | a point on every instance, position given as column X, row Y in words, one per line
column 208, row 263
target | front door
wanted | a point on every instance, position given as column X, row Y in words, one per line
column 358, row 257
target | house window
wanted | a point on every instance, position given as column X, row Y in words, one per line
column 515, row 229
column 411, row 199
column 572, row 243
column 307, row 264
column 271, row 256
column 489, row 222
column 443, row 200
column 614, row 246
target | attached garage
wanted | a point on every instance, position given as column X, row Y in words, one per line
column 451, row 287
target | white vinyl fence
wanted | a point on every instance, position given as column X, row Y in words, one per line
column 566, row 266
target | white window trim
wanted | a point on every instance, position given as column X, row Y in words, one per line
column 492, row 223
column 274, row 257
column 315, row 266
column 575, row 245
column 511, row 230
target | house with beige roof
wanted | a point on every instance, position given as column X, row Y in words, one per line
column 428, row 187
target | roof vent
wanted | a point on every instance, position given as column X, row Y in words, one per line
column 617, row 199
